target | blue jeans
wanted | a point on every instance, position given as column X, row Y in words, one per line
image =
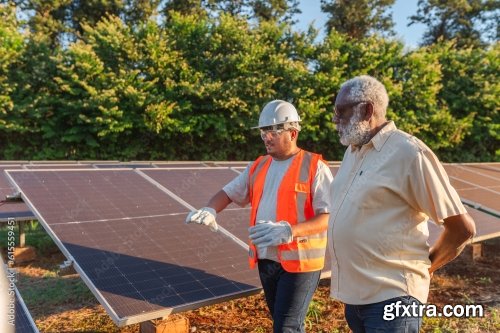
column 375, row 317
column 287, row 295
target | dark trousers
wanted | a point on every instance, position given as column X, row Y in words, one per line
column 287, row 295
column 381, row 316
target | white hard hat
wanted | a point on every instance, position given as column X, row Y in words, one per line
column 278, row 112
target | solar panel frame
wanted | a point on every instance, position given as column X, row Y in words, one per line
column 52, row 162
column 179, row 164
column 124, row 165
column 24, row 320
column 57, row 166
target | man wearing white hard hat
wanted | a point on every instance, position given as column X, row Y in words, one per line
column 288, row 190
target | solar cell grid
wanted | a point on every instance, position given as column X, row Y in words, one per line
column 93, row 195
column 236, row 221
column 195, row 186
column 144, row 260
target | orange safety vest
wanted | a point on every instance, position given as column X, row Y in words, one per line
column 294, row 205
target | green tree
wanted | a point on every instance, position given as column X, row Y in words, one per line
column 470, row 22
column 185, row 7
column 275, row 10
column 11, row 46
column 359, row 18
column 470, row 90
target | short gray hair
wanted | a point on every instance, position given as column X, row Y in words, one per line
column 368, row 88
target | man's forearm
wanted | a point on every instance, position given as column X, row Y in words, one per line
column 458, row 230
column 315, row 225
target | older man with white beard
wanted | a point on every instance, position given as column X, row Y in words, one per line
column 388, row 185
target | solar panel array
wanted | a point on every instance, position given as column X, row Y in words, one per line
column 124, row 231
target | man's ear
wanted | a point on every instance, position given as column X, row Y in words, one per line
column 293, row 134
column 368, row 111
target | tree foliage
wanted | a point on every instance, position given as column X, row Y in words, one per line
column 191, row 86
column 470, row 22
column 359, row 18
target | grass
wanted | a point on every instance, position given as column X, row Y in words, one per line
column 35, row 236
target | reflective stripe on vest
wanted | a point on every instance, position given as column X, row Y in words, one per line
column 294, row 205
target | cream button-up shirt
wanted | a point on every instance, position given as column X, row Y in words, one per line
column 382, row 197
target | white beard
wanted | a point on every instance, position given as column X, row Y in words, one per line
column 356, row 133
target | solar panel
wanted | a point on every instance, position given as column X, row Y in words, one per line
column 128, row 241
column 231, row 163
column 475, row 188
column 17, row 210
column 334, row 169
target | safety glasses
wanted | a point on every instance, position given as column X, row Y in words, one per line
column 274, row 131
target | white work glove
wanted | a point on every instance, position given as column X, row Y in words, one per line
column 271, row 233
column 205, row 215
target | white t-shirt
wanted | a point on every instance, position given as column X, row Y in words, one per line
column 237, row 191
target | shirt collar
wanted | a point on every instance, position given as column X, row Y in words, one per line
column 381, row 137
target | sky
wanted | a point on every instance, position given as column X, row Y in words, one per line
column 402, row 9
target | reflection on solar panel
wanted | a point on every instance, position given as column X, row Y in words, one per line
column 195, row 186
column 476, row 187
column 129, row 243
column 487, row 227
